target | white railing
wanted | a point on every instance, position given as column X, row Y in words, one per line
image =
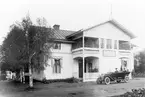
column 89, row 76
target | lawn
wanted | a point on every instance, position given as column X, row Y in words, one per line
column 62, row 89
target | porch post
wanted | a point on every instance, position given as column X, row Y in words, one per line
column 83, row 59
column 99, row 39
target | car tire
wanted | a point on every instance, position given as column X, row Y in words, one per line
column 107, row 80
column 126, row 79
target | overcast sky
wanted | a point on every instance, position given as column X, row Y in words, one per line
column 76, row 14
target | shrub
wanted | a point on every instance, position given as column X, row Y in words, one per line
column 134, row 74
column 3, row 77
column 133, row 93
column 68, row 80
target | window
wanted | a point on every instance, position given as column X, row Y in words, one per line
column 57, row 46
column 90, row 67
column 102, row 43
column 115, row 44
column 57, row 66
column 109, row 44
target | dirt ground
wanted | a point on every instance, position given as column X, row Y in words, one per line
column 89, row 89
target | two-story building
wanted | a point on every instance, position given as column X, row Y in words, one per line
column 87, row 53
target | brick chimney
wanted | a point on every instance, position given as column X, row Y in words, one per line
column 56, row 27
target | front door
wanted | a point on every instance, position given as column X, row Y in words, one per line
column 80, row 69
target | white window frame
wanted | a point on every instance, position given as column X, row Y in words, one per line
column 59, row 68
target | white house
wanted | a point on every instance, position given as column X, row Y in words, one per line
column 87, row 53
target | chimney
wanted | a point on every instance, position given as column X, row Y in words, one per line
column 56, row 27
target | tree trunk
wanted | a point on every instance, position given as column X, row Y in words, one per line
column 23, row 75
column 30, row 76
column 30, row 71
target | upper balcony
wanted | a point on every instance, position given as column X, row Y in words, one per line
column 88, row 43
column 107, row 44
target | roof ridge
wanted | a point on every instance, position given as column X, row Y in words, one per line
column 65, row 30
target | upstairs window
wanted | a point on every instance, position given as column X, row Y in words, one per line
column 109, row 44
column 57, row 46
column 115, row 44
column 102, row 43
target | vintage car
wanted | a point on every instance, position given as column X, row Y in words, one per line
column 116, row 76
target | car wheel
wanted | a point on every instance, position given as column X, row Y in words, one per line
column 107, row 80
column 126, row 79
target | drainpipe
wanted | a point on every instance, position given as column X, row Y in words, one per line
column 83, row 59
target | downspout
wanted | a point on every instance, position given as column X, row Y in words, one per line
column 83, row 59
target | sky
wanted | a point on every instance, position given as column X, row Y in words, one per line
column 76, row 14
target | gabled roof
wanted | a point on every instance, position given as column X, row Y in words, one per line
column 115, row 23
column 57, row 33
column 61, row 34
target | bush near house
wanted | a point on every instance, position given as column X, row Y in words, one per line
column 138, row 74
column 139, row 64
column 45, row 81
column 68, row 80
column 3, row 77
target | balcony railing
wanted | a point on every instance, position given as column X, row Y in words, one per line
column 94, row 43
